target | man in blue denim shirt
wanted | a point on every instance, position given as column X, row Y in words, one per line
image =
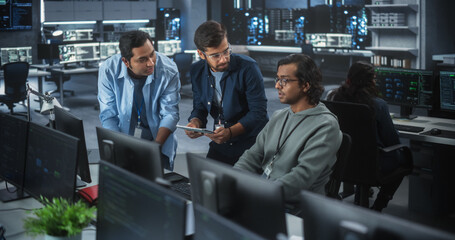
column 138, row 92
column 230, row 87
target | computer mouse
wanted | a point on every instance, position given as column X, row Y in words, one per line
column 435, row 131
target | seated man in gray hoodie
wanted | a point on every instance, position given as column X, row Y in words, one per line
column 298, row 145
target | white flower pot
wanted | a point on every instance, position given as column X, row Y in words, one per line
column 76, row 237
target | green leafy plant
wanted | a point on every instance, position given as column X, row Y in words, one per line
column 59, row 218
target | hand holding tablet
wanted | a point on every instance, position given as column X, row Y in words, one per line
column 201, row 130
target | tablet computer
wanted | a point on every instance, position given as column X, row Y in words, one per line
column 201, row 130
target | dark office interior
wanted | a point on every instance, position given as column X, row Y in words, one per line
column 411, row 43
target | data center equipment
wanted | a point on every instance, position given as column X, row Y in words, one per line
column 256, row 27
column 16, row 54
column 108, row 49
column 79, row 52
column 168, row 24
column 78, row 35
column 235, row 23
column 16, row 15
column 406, row 88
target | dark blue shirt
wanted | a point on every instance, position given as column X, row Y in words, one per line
column 244, row 99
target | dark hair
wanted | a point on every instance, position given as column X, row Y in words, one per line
column 130, row 40
column 307, row 72
column 359, row 86
column 209, row 34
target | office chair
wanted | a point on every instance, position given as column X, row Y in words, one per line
column 183, row 61
column 333, row 186
column 54, row 77
column 363, row 164
column 15, row 77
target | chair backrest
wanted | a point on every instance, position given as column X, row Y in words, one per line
column 183, row 61
column 333, row 186
column 15, row 76
column 357, row 120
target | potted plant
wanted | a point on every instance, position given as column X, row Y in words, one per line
column 59, row 219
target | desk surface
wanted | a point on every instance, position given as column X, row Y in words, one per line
column 428, row 123
column 80, row 70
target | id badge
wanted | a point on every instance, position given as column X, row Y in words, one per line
column 218, row 126
column 138, row 131
column 268, row 171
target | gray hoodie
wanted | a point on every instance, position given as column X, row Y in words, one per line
column 305, row 159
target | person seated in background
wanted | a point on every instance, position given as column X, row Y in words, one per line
column 360, row 87
column 298, row 145
column 138, row 92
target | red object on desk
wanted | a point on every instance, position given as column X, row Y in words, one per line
column 90, row 194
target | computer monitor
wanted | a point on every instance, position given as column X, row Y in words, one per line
column 16, row 15
column 169, row 47
column 149, row 30
column 132, row 207
column 16, row 54
column 72, row 125
column 78, row 35
column 139, row 156
column 108, row 49
column 250, row 201
column 51, row 163
column 325, row 218
column 210, row 225
column 406, row 88
column 79, row 52
column 13, row 146
column 47, row 51
column 447, row 90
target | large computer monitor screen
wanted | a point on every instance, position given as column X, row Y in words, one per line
column 149, row 30
column 16, row 15
column 132, row 207
column 79, row 52
column 108, row 49
column 74, row 126
column 238, row 196
column 78, row 35
column 139, row 156
column 13, row 145
column 325, row 218
column 210, row 225
column 16, row 54
column 407, row 88
column 447, row 90
column 50, row 168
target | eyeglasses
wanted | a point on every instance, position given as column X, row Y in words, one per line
column 218, row 56
column 284, row 81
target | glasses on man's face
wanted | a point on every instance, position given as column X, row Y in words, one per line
column 218, row 56
column 284, row 81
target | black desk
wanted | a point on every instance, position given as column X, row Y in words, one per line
column 432, row 185
column 73, row 71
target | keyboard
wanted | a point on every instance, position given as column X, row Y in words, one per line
column 183, row 188
column 407, row 128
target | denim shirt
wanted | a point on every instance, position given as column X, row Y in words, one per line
column 161, row 94
column 244, row 98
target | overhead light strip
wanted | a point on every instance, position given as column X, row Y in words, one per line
column 127, row 21
column 69, row 22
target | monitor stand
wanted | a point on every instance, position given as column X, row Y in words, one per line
column 12, row 194
column 405, row 113
column 79, row 182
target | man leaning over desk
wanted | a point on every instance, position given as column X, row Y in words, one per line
column 138, row 92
